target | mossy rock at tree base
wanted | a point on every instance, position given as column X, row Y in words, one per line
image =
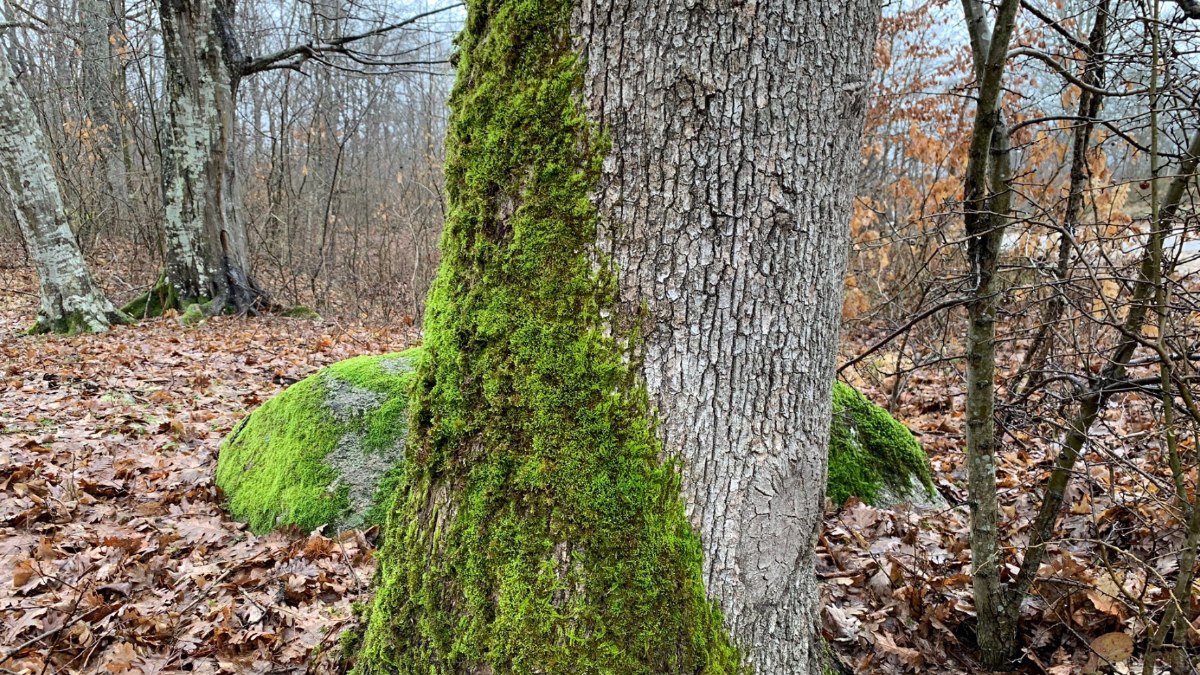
column 300, row 312
column 874, row 457
column 192, row 316
column 326, row 450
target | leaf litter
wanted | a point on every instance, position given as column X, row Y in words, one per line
column 115, row 555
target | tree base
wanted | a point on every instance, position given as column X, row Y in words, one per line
column 154, row 302
column 77, row 323
column 163, row 297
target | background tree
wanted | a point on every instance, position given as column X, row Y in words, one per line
column 639, row 285
column 104, row 96
column 207, row 255
column 70, row 301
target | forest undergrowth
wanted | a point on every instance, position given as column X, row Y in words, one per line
column 115, row 555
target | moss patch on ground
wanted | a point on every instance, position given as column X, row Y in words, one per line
column 872, row 456
column 161, row 297
column 326, row 450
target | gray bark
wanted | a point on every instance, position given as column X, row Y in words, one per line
column 207, row 255
column 987, row 200
column 725, row 202
column 70, row 300
column 104, row 95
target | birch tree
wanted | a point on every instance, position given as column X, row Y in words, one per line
column 70, row 301
column 617, row 454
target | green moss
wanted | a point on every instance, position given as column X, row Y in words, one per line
column 193, row 315
column 75, row 323
column 536, row 527
column 869, row 451
column 161, row 297
column 300, row 312
column 276, row 468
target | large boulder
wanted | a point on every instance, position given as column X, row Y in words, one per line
column 874, row 457
column 328, row 449
column 325, row 451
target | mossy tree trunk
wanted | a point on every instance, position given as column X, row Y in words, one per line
column 617, row 448
column 70, row 301
column 207, row 260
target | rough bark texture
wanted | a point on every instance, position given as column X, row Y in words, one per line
column 207, row 260
column 636, row 309
column 726, row 199
column 70, row 301
column 104, row 95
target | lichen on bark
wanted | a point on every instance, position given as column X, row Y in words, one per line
column 71, row 302
column 538, row 527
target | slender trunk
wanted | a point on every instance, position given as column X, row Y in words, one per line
column 70, row 301
column 104, row 95
column 987, row 200
column 207, row 253
column 1028, row 375
column 617, row 453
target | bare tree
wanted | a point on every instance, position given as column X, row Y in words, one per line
column 70, row 301
column 207, row 257
column 105, row 99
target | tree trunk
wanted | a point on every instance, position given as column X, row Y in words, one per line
column 207, row 258
column 617, row 450
column 70, row 301
column 726, row 199
column 104, row 95
column 987, row 198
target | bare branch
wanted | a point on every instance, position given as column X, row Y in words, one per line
column 1069, row 76
column 296, row 56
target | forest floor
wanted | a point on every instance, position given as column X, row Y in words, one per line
column 115, row 556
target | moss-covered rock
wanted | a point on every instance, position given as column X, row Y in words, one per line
column 193, row 315
column 874, row 457
column 326, row 451
column 300, row 312
column 317, row 453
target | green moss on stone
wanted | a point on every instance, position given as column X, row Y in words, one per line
column 870, row 453
column 290, row 461
column 536, row 527
column 193, row 315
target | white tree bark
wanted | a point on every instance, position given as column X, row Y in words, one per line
column 70, row 300
column 207, row 255
column 727, row 195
